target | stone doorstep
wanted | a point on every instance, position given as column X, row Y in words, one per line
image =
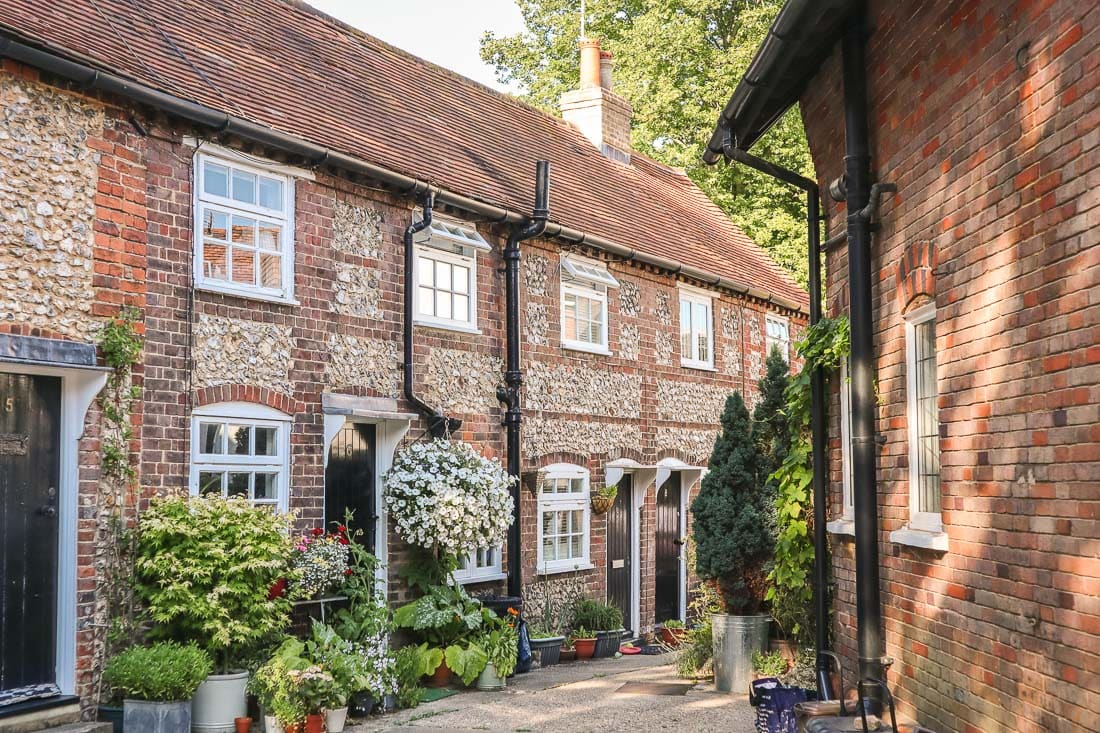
column 64, row 719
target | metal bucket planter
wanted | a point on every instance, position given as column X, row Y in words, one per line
column 489, row 680
column 156, row 717
column 607, row 643
column 548, row 650
column 218, row 702
column 735, row 639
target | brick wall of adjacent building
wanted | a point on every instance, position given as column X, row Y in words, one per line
column 343, row 334
column 987, row 117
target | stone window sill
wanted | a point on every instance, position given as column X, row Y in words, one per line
column 923, row 539
column 442, row 326
column 581, row 567
column 842, row 526
column 246, row 294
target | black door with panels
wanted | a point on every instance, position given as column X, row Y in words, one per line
column 349, row 480
column 30, row 424
column 620, row 543
column 667, row 579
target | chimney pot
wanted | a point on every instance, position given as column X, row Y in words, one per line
column 590, row 63
column 605, row 70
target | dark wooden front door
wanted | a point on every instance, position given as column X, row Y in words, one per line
column 620, row 551
column 667, row 567
column 349, row 479
column 30, row 423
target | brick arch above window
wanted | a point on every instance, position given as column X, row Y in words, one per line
column 247, row 393
column 916, row 274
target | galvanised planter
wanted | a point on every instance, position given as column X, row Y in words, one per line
column 156, row 717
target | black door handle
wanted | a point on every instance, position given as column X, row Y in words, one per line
column 48, row 511
column 678, row 542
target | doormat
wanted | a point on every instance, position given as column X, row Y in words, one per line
column 431, row 694
column 669, row 689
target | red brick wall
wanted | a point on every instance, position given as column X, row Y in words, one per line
column 986, row 116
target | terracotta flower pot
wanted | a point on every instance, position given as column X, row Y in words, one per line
column 673, row 637
column 585, row 648
column 294, row 728
column 244, row 725
column 567, row 654
column 441, row 676
column 315, row 724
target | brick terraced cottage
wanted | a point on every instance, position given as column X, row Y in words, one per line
column 243, row 175
column 977, row 291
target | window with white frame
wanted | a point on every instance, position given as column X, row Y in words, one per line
column 923, row 420
column 243, row 228
column 241, row 449
column 696, row 330
column 847, row 506
column 445, row 272
column 563, row 509
column 584, row 286
column 777, row 330
column 479, row 566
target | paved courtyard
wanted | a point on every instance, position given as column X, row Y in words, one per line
column 579, row 696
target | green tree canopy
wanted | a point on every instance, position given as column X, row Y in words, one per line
column 729, row 516
column 677, row 62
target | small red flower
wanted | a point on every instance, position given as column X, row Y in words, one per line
column 348, row 571
column 278, row 588
column 341, row 528
column 344, row 540
column 317, row 531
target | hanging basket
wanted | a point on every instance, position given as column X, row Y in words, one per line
column 602, row 504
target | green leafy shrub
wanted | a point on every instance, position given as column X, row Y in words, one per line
column 673, row 623
column 205, row 567
column 501, row 647
column 410, row 665
column 164, row 672
column 730, row 516
column 772, row 664
column 697, row 649
column 596, row 616
column 804, row 671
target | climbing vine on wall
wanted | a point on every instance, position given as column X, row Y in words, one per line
column 825, row 344
column 116, row 620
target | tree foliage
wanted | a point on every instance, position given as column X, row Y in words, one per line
column 677, row 62
column 729, row 516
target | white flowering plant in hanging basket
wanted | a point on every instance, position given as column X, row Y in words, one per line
column 445, row 496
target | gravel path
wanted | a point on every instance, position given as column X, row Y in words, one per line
column 579, row 697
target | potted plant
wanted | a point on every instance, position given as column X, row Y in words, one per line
column 546, row 643
column 157, row 683
column 271, row 685
column 501, row 652
column 583, row 642
column 446, row 618
column 772, row 664
column 731, row 520
column 204, row 567
column 672, row 632
column 316, row 692
column 603, row 498
column 605, row 620
column 409, row 668
column 320, row 562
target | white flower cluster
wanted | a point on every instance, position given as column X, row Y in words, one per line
column 445, row 495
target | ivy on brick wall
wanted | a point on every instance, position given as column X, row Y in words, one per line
column 825, row 344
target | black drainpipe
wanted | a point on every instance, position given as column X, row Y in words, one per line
column 857, row 172
column 513, row 377
column 818, row 435
column 439, row 425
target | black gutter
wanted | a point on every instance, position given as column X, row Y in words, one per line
column 91, row 79
column 818, row 429
column 857, row 171
column 513, row 377
column 439, row 425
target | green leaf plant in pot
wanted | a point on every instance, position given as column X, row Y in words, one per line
column 157, row 683
column 205, row 568
column 501, row 650
column 603, row 498
column 606, row 621
column 583, row 641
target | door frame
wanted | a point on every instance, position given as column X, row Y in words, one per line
column 642, row 478
column 689, row 476
column 79, row 387
column 390, row 427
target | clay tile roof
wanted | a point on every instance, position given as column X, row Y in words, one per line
column 285, row 65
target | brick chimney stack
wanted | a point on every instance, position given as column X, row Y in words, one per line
column 601, row 115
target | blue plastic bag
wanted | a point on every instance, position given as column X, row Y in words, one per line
column 775, row 705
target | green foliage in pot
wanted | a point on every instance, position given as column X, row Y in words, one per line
column 164, row 672
column 446, row 618
column 673, row 623
column 730, row 516
column 204, row 568
column 275, row 691
column 596, row 616
column 501, row 647
column 465, row 660
column 697, row 650
column 609, row 491
column 825, row 346
column 580, row 632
